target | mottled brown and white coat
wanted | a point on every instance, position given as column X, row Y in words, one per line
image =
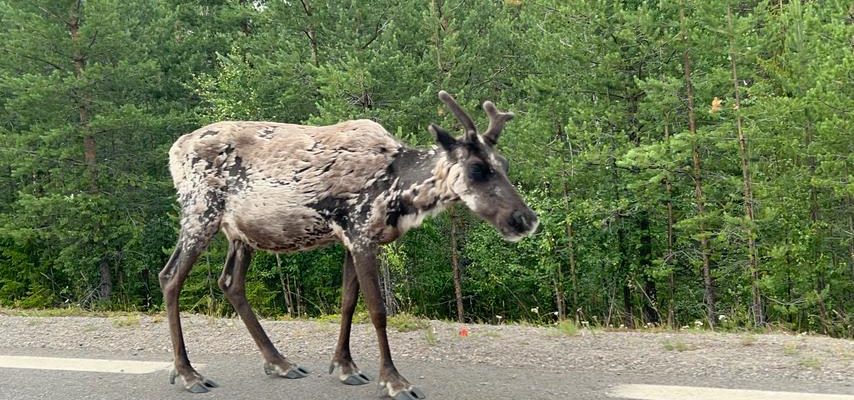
column 285, row 188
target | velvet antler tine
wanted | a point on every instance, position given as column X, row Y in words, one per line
column 497, row 120
column 468, row 124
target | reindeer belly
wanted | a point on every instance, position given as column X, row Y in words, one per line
column 278, row 227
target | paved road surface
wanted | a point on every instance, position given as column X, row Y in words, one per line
column 241, row 377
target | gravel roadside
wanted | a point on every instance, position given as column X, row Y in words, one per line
column 814, row 359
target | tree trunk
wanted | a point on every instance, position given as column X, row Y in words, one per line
column 628, row 301
column 570, row 232
column 628, row 304
column 105, row 288
column 300, row 304
column 753, row 262
column 650, row 306
column 668, row 259
column 145, row 276
column 311, row 33
column 286, row 287
column 210, row 282
column 79, row 59
column 386, row 284
column 573, row 276
column 557, row 282
column 849, row 209
column 455, row 264
column 89, row 144
column 814, row 225
column 246, row 23
column 708, row 283
column 436, row 8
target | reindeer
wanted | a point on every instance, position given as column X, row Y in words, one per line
column 285, row 188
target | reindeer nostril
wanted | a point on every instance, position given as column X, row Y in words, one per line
column 518, row 220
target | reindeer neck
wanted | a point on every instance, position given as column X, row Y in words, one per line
column 423, row 183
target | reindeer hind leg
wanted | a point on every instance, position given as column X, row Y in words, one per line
column 196, row 233
column 233, row 284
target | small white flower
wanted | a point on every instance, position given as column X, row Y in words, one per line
column 722, row 317
column 499, row 317
column 555, row 313
column 536, row 310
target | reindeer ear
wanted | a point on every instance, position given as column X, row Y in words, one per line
column 443, row 137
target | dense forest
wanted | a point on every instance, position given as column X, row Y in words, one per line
column 691, row 161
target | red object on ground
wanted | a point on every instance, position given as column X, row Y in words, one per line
column 464, row 331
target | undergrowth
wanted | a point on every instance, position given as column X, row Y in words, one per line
column 405, row 322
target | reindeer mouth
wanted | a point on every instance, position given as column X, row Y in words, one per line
column 519, row 225
column 513, row 238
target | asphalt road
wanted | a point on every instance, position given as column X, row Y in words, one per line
column 241, row 377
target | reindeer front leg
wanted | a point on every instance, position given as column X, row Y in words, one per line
column 350, row 373
column 365, row 260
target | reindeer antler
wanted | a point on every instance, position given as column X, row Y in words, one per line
column 497, row 120
column 468, row 124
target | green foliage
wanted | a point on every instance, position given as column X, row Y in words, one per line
column 404, row 322
column 567, row 328
column 601, row 149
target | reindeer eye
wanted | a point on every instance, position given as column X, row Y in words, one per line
column 479, row 172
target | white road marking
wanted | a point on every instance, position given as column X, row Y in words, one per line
column 84, row 364
column 660, row 392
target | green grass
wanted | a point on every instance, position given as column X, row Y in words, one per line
column 748, row 340
column 125, row 321
column 404, row 322
column 810, row 362
column 120, row 319
column 359, row 317
column 490, row 334
column 563, row 329
column 790, row 348
column 158, row 318
column 329, row 318
column 430, row 336
column 53, row 312
column 567, row 328
column 678, row 345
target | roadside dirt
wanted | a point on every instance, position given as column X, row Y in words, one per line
column 689, row 353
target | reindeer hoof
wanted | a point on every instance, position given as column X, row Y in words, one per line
column 407, row 393
column 294, row 372
column 355, row 379
column 412, row 393
column 198, row 383
column 202, row 387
